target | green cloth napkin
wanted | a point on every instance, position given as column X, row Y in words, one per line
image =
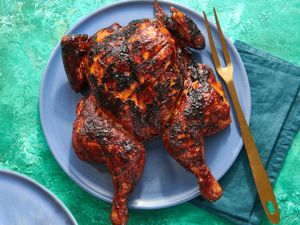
column 275, row 119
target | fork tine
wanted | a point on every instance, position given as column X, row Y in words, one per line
column 222, row 39
column 212, row 45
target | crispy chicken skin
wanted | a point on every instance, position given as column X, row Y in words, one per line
column 144, row 83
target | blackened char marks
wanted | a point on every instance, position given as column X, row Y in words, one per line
column 194, row 109
column 128, row 32
column 105, row 100
column 161, row 90
column 124, row 79
column 195, row 100
column 137, row 45
column 139, row 119
column 178, row 84
column 153, row 114
column 174, row 131
column 194, row 31
column 113, row 104
column 94, row 128
column 198, row 74
column 137, row 21
column 113, row 44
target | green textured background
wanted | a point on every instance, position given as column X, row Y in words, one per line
column 29, row 30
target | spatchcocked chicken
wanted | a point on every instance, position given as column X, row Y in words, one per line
column 144, row 83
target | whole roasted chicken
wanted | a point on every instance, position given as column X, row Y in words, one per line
column 144, row 83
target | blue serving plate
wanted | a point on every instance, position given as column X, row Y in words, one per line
column 23, row 201
column 164, row 182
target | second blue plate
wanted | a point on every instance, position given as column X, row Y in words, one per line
column 23, row 201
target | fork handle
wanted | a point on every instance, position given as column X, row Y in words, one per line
column 263, row 186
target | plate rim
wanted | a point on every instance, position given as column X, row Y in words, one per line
column 45, row 191
column 78, row 180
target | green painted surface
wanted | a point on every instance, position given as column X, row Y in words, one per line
column 30, row 29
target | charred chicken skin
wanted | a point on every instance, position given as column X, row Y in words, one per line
column 144, row 83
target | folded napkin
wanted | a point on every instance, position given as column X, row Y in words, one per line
column 275, row 119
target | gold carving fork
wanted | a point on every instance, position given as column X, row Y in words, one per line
column 263, row 186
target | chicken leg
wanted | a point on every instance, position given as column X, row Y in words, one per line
column 98, row 137
column 202, row 109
